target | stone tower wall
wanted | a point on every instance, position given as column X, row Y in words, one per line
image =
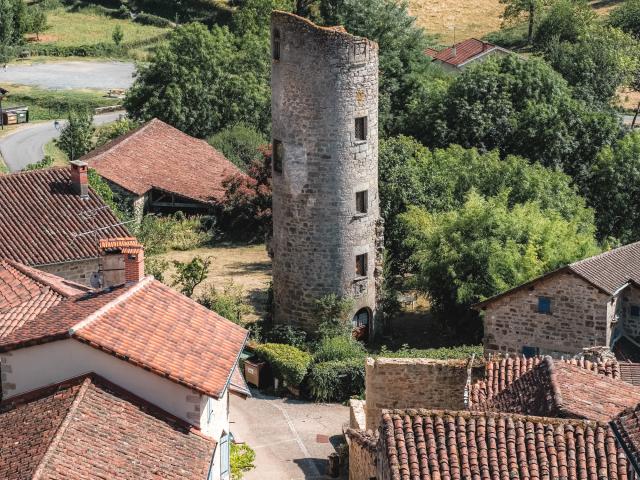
column 324, row 79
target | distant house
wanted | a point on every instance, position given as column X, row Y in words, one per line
column 143, row 336
column 592, row 302
column 157, row 168
column 461, row 55
column 51, row 219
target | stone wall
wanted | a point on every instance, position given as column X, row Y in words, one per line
column 79, row 271
column 322, row 81
column 578, row 319
column 363, row 448
column 630, row 298
column 136, row 203
column 400, row 383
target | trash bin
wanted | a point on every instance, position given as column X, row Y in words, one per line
column 254, row 371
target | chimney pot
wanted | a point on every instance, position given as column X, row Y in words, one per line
column 80, row 178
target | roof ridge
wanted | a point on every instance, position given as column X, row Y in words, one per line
column 120, row 140
column 556, row 394
column 105, row 308
column 30, row 272
column 62, row 428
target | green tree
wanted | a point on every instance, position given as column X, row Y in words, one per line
column 566, row 20
column 626, row 17
column 111, row 131
column 117, row 35
column 486, row 246
column 614, row 189
column 332, row 312
column 191, row 274
column 514, row 10
column 240, row 143
column 76, row 137
column 228, row 302
column 38, row 21
column 200, row 81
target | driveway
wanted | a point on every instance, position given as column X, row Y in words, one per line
column 70, row 75
column 26, row 145
column 292, row 439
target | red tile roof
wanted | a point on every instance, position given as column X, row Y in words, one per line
column 150, row 325
column 558, row 389
column 502, row 372
column 238, row 384
column 427, row 445
column 88, row 428
column 156, row 155
column 626, row 426
column 42, row 221
column 26, row 293
column 464, row 51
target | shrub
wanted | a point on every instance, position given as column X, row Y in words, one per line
column 332, row 311
column 288, row 335
column 156, row 266
column 46, row 162
column 242, row 458
column 191, row 274
column 174, row 232
column 336, row 380
column 338, row 348
column 240, row 143
column 101, row 49
column 230, row 302
column 443, row 353
column 153, row 20
column 111, row 131
column 288, row 362
column 75, row 138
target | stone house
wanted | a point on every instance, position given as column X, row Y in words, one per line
column 456, row 58
column 52, row 220
column 158, row 168
column 592, row 302
column 142, row 336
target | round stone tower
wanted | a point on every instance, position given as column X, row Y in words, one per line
column 326, row 227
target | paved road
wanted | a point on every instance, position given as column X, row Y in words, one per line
column 70, row 75
column 292, row 439
column 26, row 145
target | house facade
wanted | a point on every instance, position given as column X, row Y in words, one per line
column 593, row 302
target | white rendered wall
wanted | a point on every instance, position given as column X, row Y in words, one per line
column 219, row 424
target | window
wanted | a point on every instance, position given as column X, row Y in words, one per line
column 529, row 352
column 224, row 456
column 278, row 154
column 361, row 265
column 276, row 45
column 362, row 201
column 544, row 305
column 361, row 128
column 635, row 310
column 361, row 318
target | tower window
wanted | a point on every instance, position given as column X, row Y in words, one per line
column 276, row 44
column 361, row 128
column 278, row 155
column 361, row 265
column 362, row 204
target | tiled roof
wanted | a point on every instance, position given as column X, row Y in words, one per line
column 150, row 325
column 626, row 426
column 503, row 371
column 88, row 428
column 238, row 384
column 26, row 292
column 464, row 51
column 43, row 221
column 156, row 155
column 558, row 389
column 427, row 445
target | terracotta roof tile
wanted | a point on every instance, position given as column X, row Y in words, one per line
column 150, row 325
column 26, row 293
column 626, row 426
column 429, row 445
column 43, row 221
column 501, row 372
column 558, row 389
column 156, row 155
column 464, row 51
column 88, row 428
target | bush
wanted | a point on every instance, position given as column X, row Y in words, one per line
column 191, row 274
column 46, row 162
column 338, row 348
column 101, row 49
column 443, row 353
column 288, row 335
column 240, row 143
column 230, row 302
column 174, row 232
column 336, row 380
column 332, row 311
column 288, row 363
column 152, row 20
column 242, row 458
column 156, row 266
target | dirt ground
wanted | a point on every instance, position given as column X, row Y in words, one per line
column 246, row 265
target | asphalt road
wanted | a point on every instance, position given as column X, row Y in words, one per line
column 26, row 145
column 70, row 75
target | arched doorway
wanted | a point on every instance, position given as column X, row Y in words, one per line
column 360, row 323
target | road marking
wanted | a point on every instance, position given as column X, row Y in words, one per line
column 296, row 437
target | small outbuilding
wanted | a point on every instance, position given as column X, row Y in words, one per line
column 459, row 56
column 159, row 169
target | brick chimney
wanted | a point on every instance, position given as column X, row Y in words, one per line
column 80, row 178
column 134, row 266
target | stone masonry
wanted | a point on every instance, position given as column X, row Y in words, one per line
column 579, row 318
column 325, row 114
column 79, row 271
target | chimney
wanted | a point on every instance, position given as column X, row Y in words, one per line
column 134, row 266
column 80, row 178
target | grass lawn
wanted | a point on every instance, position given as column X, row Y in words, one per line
column 59, row 157
column 53, row 104
column 88, row 27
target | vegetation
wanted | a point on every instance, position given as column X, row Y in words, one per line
column 287, row 334
column 288, row 362
column 516, row 9
column 626, row 17
column 228, row 302
column 240, row 143
column 117, row 35
column 332, row 313
column 46, row 162
column 343, row 347
column 462, row 352
column 173, row 232
column 241, row 461
column 102, row 189
column 76, row 137
column 191, row 274
column 336, row 380
column 111, row 131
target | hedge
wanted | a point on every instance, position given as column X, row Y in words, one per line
column 336, row 380
column 153, row 20
column 288, row 363
column 338, row 348
column 93, row 50
column 443, row 353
